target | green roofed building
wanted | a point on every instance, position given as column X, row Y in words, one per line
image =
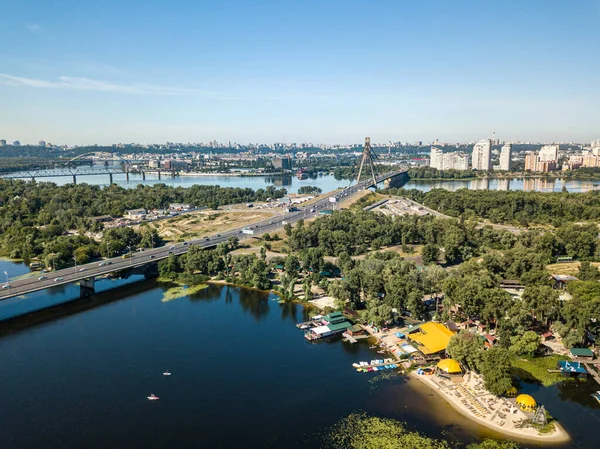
column 582, row 353
column 333, row 323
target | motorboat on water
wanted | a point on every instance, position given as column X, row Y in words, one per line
column 153, row 397
column 596, row 396
column 373, row 347
column 166, row 373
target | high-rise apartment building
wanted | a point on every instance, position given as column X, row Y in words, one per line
column 549, row 153
column 436, row 158
column 448, row 161
column 42, row 143
column 2, row 142
column 506, row 157
column 534, row 163
column 283, row 163
column 456, row 161
column 482, row 152
column 16, row 143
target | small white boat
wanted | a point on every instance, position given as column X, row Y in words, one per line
column 356, row 365
column 596, row 396
column 153, row 397
column 375, row 368
column 166, row 373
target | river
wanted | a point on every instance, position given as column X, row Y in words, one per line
column 327, row 182
column 242, row 376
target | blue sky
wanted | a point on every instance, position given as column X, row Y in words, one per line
column 80, row 71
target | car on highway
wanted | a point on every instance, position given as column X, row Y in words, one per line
column 5, row 286
column 151, row 256
column 58, row 279
column 218, row 235
column 184, row 243
column 41, row 278
column 172, row 247
column 82, row 269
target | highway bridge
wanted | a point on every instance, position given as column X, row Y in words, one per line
column 145, row 260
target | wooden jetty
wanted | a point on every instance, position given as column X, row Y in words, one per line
column 592, row 372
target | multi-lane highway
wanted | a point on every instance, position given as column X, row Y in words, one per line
column 91, row 270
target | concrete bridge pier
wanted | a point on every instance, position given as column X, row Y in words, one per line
column 110, row 179
column 143, row 175
column 86, row 287
column 74, row 179
column 127, row 175
column 159, row 175
column 151, row 271
column 396, row 181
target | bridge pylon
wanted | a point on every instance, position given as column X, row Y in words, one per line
column 368, row 156
column 86, row 287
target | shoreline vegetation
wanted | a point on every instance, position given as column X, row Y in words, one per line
column 433, row 174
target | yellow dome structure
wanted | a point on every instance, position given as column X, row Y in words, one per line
column 511, row 392
column 449, row 366
column 526, row 402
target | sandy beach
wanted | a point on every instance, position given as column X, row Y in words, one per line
column 489, row 410
column 470, row 398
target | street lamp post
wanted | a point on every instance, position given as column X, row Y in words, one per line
column 6, row 273
column 130, row 255
column 75, row 259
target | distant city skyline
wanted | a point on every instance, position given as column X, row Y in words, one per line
column 333, row 72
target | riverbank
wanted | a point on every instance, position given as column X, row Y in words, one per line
column 468, row 398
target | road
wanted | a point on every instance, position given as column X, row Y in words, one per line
column 42, row 281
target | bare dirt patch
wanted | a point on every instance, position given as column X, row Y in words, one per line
column 205, row 223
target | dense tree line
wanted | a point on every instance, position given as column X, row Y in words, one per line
column 513, row 206
column 434, row 173
column 36, row 218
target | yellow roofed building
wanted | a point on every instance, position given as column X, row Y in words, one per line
column 449, row 366
column 432, row 338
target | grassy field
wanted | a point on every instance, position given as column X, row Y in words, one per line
column 206, row 222
column 570, row 268
column 536, row 368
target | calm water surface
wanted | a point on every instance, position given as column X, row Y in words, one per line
column 328, row 183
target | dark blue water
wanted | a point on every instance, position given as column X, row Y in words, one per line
column 242, row 376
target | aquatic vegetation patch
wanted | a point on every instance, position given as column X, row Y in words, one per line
column 361, row 431
column 182, row 291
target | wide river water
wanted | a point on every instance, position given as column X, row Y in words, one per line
column 328, row 183
column 77, row 376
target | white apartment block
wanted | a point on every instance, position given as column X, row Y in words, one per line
column 448, row 161
column 482, row 159
column 549, row 153
column 506, row 157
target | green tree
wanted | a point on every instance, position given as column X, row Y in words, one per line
column 292, row 265
column 430, row 254
column 525, row 344
column 588, row 272
column 467, row 348
column 306, row 288
column 495, row 369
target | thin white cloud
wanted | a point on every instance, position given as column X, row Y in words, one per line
column 87, row 84
column 33, row 27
